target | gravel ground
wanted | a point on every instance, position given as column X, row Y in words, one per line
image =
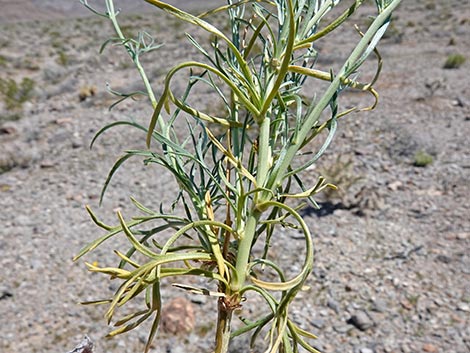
column 392, row 271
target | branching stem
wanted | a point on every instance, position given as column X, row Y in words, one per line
column 135, row 57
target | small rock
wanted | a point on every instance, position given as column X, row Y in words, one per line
column 318, row 322
column 85, row 346
column 457, row 102
column 5, row 294
column 63, row 121
column 319, row 346
column 7, row 130
column 379, row 306
column 45, row 164
column 405, row 348
column 444, row 259
column 430, row 348
column 76, row 143
column 54, row 73
column 361, row 320
column 464, row 307
column 395, row 185
column 333, row 305
column 178, row 316
column 405, row 303
column 343, row 328
column 366, row 350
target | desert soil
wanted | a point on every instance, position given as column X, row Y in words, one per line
column 392, row 269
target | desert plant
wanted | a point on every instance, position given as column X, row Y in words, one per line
column 237, row 185
column 341, row 174
column 62, row 58
column 15, row 94
column 3, row 61
column 86, row 92
column 422, row 159
column 454, row 61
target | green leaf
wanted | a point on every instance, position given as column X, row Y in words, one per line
column 117, row 123
column 96, row 220
column 196, row 290
column 137, row 245
column 156, row 306
column 113, row 170
column 94, row 244
column 129, row 317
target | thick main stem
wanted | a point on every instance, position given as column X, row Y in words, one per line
column 224, row 319
column 248, row 233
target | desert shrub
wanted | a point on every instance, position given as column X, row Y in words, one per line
column 15, row 94
column 9, row 117
column 62, row 58
column 422, row 159
column 238, row 169
column 454, row 61
column 340, row 173
column 86, row 92
column 3, row 61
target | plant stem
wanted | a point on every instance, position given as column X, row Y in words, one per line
column 224, row 319
column 132, row 53
column 252, row 219
column 356, row 58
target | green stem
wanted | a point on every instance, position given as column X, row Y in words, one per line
column 264, row 152
column 224, row 319
column 244, row 249
column 132, row 53
column 248, row 233
column 352, row 62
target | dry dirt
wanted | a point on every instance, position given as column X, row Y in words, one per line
column 392, row 270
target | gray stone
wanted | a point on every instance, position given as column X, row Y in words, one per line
column 342, row 328
column 444, row 259
column 53, row 73
column 366, row 350
column 77, row 143
column 361, row 320
column 318, row 322
column 379, row 306
column 333, row 305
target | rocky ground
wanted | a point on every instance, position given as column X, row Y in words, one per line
column 392, row 271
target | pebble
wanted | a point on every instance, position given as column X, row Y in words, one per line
column 77, row 143
column 430, row 348
column 366, row 350
column 318, row 322
column 444, row 259
column 405, row 303
column 5, row 294
column 395, row 185
column 46, row 164
column 341, row 328
column 178, row 316
column 379, row 306
column 8, row 130
column 333, row 305
column 361, row 320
